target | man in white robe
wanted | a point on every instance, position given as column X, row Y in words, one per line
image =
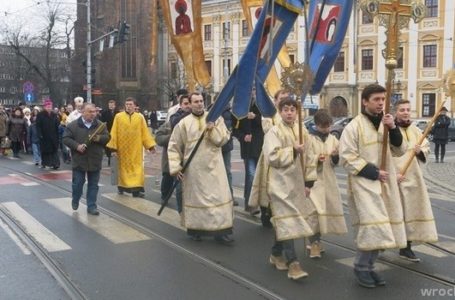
column 373, row 196
column 418, row 215
column 207, row 200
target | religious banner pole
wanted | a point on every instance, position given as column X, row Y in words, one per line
column 394, row 16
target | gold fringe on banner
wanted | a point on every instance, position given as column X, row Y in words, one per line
column 183, row 20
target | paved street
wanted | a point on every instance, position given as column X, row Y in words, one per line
column 128, row 252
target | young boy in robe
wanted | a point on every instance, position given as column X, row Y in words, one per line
column 325, row 194
column 286, row 190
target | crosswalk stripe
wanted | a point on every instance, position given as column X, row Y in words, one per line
column 146, row 207
column 349, row 261
column 15, row 238
column 448, row 245
column 422, row 248
column 41, row 234
column 106, row 226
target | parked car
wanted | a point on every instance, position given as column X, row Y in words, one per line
column 161, row 117
column 421, row 123
column 451, row 131
column 338, row 126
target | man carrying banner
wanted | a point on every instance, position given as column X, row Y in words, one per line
column 418, row 215
column 207, row 201
column 373, row 195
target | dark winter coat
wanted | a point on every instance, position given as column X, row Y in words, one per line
column 227, row 116
column 77, row 133
column 107, row 116
column 17, row 129
column 441, row 130
column 254, row 127
column 47, row 128
column 33, row 137
column 4, row 124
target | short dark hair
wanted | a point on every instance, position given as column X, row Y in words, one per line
column 401, row 101
column 322, row 118
column 289, row 102
column 183, row 97
column 181, row 92
column 372, row 89
column 111, row 101
column 131, row 99
column 195, row 94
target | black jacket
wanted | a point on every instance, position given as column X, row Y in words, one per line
column 107, row 116
column 441, row 130
column 47, row 128
column 254, row 127
column 77, row 133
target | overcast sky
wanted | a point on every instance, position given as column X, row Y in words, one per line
column 28, row 14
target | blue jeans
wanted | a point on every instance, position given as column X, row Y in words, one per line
column 92, row 187
column 36, row 153
column 227, row 166
column 250, row 170
column 285, row 248
column 364, row 260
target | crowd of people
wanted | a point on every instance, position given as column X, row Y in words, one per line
column 289, row 170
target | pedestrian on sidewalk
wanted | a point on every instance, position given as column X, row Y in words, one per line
column 418, row 214
column 374, row 198
column 17, row 130
column 86, row 138
column 4, row 126
column 287, row 190
column 440, row 133
column 325, row 194
column 34, row 138
column 47, row 123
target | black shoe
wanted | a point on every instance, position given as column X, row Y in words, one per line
column 120, row 192
column 74, row 205
column 43, row 167
column 196, row 237
column 236, row 203
column 55, row 167
column 378, row 280
column 138, row 195
column 93, row 212
column 224, row 239
column 408, row 254
column 36, row 164
column 364, row 279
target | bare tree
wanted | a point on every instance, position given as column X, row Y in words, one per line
column 42, row 52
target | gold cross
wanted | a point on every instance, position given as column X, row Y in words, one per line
column 394, row 10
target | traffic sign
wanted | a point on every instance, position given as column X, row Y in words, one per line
column 29, row 97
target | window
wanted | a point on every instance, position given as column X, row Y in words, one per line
column 128, row 54
column 226, row 30
column 339, row 63
column 245, row 31
column 429, row 56
column 208, row 63
column 13, row 90
column 432, row 8
column 173, row 70
column 428, row 104
column 227, row 64
column 366, row 18
column 400, row 58
column 367, row 59
column 2, row 89
column 207, row 32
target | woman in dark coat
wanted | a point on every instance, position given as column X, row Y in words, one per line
column 17, row 130
column 440, row 133
column 47, row 127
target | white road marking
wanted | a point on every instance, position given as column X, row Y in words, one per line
column 106, row 226
column 422, row 248
column 350, row 263
column 15, row 238
column 31, row 183
column 41, row 234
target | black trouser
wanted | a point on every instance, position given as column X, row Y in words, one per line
column 436, row 151
column 16, row 147
column 167, row 181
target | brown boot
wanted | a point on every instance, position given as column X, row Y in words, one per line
column 315, row 250
column 279, row 262
column 295, row 271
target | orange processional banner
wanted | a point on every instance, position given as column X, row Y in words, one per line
column 183, row 20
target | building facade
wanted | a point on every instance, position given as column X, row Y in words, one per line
column 427, row 54
column 20, row 82
column 124, row 70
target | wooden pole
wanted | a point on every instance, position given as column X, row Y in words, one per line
column 422, row 138
column 385, row 138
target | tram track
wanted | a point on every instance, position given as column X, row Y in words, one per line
column 75, row 293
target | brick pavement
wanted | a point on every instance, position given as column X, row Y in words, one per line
column 441, row 174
